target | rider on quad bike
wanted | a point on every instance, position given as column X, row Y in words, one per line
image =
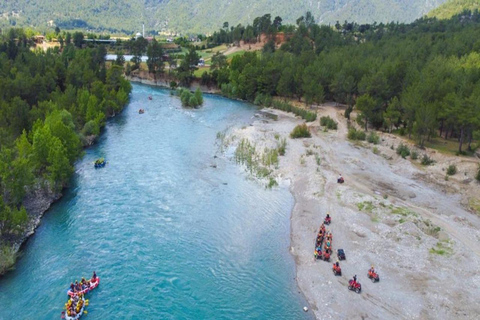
column 328, row 219
column 336, row 269
column 354, row 285
column 373, row 275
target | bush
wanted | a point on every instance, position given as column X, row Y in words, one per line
column 414, row 155
column 7, row 258
column 190, row 99
column 451, row 170
column 328, row 122
column 300, row 131
column 91, row 128
column 478, row 174
column 403, row 150
column 426, row 160
column 373, row 138
column 375, row 150
column 361, row 135
column 282, row 147
column 354, row 134
column 287, row 107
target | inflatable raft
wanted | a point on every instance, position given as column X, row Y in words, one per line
column 93, row 285
column 78, row 315
column 100, row 163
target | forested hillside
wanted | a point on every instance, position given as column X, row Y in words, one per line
column 422, row 79
column 189, row 16
column 453, row 7
column 51, row 103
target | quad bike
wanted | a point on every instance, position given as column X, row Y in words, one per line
column 337, row 270
column 354, row 286
column 341, row 254
column 373, row 276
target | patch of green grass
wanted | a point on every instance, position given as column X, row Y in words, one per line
column 442, row 248
column 474, row 205
column 365, row 205
column 272, row 183
column 198, row 73
column 282, row 147
column 318, row 159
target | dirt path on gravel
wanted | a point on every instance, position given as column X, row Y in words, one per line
column 404, row 219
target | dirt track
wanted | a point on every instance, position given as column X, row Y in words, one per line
column 404, row 219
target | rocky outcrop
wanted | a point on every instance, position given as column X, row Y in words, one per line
column 37, row 201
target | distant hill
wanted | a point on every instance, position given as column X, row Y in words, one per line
column 200, row 15
column 453, row 7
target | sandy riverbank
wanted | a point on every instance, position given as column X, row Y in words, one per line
column 403, row 218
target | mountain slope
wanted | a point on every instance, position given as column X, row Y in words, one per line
column 453, row 7
column 201, row 15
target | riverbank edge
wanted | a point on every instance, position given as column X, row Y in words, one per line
column 164, row 83
column 37, row 202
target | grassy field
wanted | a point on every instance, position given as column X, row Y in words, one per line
column 447, row 147
column 208, row 53
column 200, row 70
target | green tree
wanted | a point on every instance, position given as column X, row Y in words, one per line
column 155, row 58
column 366, row 104
column 59, row 168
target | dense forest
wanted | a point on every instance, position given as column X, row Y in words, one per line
column 422, row 79
column 198, row 16
column 51, row 104
column 453, row 7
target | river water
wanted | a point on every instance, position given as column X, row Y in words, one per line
column 170, row 236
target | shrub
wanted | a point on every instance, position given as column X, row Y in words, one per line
column 282, row 147
column 478, row 174
column 354, row 134
column 272, row 183
column 361, row 135
column 7, row 258
column 305, row 114
column 91, row 128
column 373, row 138
column 414, row 155
column 199, row 96
column 328, row 122
column 190, row 99
column 451, row 170
column 300, row 131
column 426, row 160
column 375, row 150
column 403, row 150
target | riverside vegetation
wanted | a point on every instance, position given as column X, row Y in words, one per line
column 420, row 79
column 52, row 103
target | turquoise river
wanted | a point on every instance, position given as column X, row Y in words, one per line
column 169, row 235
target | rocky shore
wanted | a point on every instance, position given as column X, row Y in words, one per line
column 407, row 220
